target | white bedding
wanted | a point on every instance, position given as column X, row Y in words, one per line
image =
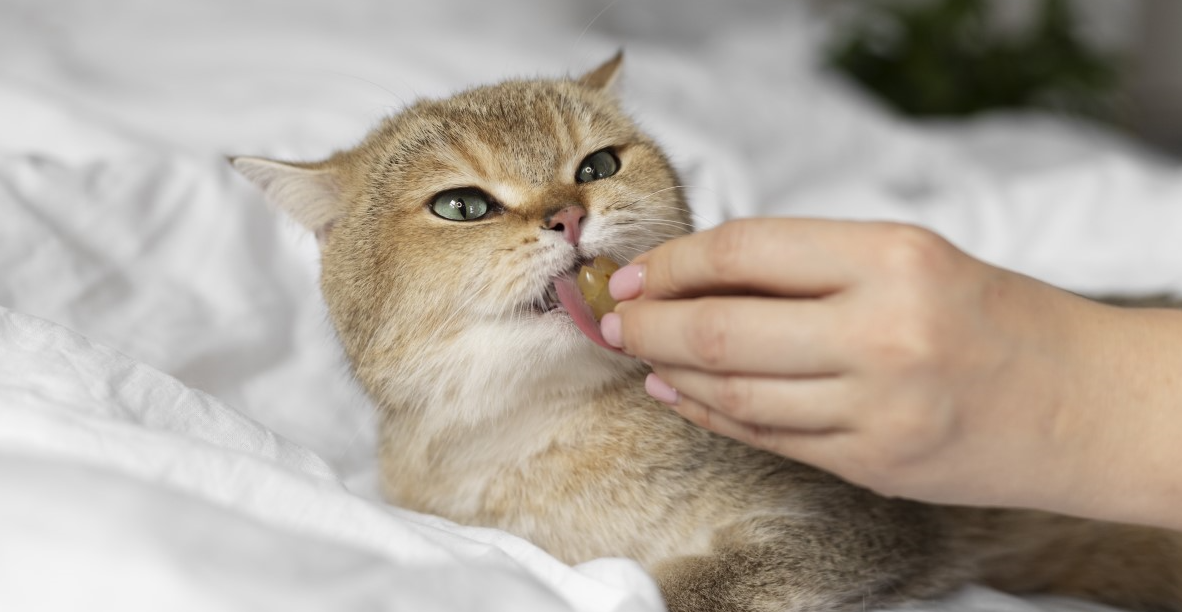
column 124, row 487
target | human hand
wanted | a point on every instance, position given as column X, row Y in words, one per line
column 875, row 351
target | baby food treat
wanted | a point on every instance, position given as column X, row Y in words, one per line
column 592, row 282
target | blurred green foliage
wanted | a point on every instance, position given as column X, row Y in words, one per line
column 947, row 58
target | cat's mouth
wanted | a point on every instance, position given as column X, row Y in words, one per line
column 550, row 299
column 562, row 296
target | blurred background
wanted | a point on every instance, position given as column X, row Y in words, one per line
column 1116, row 61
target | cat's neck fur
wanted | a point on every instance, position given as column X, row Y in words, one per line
column 499, row 412
column 487, row 372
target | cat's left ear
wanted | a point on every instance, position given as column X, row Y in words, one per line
column 308, row 193
column 604, row 77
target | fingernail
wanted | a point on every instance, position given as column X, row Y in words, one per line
column 659, row 389
column 609, row 326
column 627, row 282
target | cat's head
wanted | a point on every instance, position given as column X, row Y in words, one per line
column 443, row 233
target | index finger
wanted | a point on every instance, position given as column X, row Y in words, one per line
column 788, row 257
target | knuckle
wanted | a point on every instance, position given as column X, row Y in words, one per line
column 707, row 338
column 735, row 397
column 907, row 336
column 905, row 428
column 700, row 416
column 760, row 436
column 909, row 348
column 632, row 327
column 727, row 248
column 693, row 413
column 662, row 277
column 911, row 251
column 908, row 438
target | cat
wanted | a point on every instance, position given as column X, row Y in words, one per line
column 448, row 239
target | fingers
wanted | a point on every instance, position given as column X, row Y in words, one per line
column 802, row 405
column 823, row 449
column 783, row 257
column 754, row 335
column 705, row 417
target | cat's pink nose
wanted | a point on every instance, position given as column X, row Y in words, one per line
column 569, row 221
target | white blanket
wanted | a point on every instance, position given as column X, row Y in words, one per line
column 124, row 487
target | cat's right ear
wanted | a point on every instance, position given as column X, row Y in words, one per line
column 604, row 76
column 308, row 194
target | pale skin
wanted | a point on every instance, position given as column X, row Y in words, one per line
column 882, row 353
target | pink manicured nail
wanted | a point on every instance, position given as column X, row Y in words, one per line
column 609, row 326
column 627, row 282
column 659, row 389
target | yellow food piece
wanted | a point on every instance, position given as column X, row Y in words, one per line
column 592, row 282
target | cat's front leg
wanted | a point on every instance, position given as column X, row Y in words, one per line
column 783, row 565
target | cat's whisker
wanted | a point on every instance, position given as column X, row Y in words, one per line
column 699, row 221
column 728, row 212
column 661, row 220
column 623, row 254
column 587, row 27
column 474, row 294
column 671, row 188
column 427, row 328
column 352, row 439
column 369, row 344
column 401, row 101
column 660, row 191
column 678, row 228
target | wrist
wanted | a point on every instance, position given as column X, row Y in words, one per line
column 1117, row 418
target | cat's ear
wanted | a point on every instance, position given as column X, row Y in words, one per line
column 308, row 193
column 604, row 77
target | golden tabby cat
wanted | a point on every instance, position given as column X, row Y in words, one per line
column 449, row 237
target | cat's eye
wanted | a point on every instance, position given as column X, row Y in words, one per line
column 598, row 165
column 461, row 204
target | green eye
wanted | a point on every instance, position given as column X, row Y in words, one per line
column 461, row 204
column 598, row 165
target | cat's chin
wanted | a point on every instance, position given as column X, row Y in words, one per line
column 577, row 333
column 566, row 346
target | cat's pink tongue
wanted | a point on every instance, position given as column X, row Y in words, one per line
column 580, row 312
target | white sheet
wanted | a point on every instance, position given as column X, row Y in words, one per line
column 126, row 489
column 120, row 220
